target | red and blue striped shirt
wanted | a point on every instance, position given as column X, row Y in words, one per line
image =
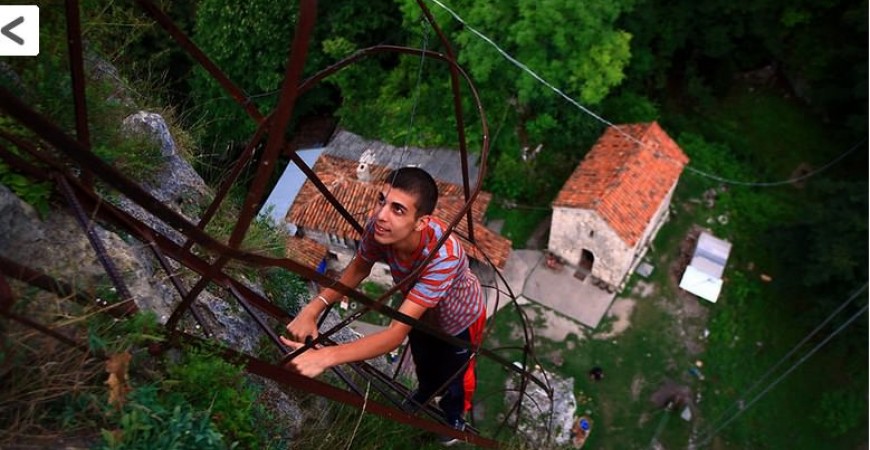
column 446, row 286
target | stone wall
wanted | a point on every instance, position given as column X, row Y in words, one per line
column 574, row 230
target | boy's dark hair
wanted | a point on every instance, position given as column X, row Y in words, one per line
column 417, row 182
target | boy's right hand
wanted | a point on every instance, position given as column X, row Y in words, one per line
column 304, row 325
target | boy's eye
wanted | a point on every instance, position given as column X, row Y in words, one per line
column 381, row 199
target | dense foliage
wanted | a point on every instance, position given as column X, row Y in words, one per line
column 750, row 91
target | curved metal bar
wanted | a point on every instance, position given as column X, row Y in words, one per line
column 274, row 124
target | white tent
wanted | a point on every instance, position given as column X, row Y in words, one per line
column 703, row 277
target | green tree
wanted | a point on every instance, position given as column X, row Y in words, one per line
column 837, row 235
column 250, row 42
column 575, row 47
column 817, row 49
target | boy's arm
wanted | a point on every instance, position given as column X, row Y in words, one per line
column 305, row 323
column 314, row 361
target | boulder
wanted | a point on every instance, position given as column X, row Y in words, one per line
column 543, row 422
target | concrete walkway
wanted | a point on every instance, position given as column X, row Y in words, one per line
column 559, row 291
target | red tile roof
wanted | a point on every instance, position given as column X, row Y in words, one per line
column 625, row 180
column 312, row 210
column 307, row 252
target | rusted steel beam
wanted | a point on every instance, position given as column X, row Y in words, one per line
column 259, row 320
column 279, row 119
column 77, row 74
column 457, row 112
column 173, row 278
column 277, row 123
column 46, row 330
column 7, row 300
column 14, row 107
column 20, row 165
column 31, row 149
column 95, row 240
column 275, row 373
column 45, row 282
column 187, row 300
column 227, row 184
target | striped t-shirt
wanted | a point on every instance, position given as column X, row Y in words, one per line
column 446, row 285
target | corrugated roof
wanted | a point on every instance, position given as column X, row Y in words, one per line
column 442, row 163
column 625, row 180
column 312, row 210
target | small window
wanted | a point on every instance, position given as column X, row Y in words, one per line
column 591, row 233
column 387, row 271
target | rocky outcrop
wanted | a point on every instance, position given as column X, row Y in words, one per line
column 543, row 422
column 176, row 184
column 57, row 246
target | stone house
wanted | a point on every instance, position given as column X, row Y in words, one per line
column 352, row 169
column 615, row 201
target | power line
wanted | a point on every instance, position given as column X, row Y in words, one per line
column 794, row 349
column 786, row 373
column 781, row 182
column 522, row 66
column 601, row 119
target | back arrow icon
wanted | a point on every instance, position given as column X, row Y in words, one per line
column 7, row 30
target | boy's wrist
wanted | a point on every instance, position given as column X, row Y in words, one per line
column 323, row 300
column 328, row 356
column 313, row 308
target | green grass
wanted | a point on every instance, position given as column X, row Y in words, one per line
column 753, row 325
column 771, row 133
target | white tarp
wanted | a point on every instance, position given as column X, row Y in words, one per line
column 703, row 277
column 701, row 284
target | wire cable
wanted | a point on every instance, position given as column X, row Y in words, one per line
column 800, row 344
column 794, row 366
column 781, row 182
column 603, row 120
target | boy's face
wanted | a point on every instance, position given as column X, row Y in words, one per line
column 396, row 216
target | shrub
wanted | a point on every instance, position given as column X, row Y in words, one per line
column 210, row 383
column 150, row 421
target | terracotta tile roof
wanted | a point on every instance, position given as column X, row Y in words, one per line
column 307, row 252
column 623, row 180
column 312, row 210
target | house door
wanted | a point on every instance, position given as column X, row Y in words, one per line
column 587, row 259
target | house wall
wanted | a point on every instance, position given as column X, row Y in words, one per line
column 614, row 259
column 570, row 234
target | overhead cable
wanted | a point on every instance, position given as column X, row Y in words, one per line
column 603, row 120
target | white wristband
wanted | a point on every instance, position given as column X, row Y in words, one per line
column 323, row 299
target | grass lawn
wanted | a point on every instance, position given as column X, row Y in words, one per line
column 752, row 326
column 755, row 324
column 636, row 363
